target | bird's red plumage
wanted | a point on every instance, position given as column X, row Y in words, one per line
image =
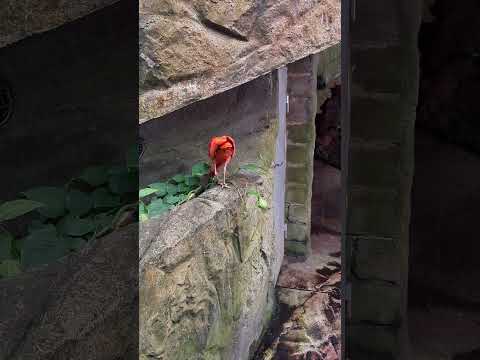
column 221, row 150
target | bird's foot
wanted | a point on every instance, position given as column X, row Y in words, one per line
column 224, row 185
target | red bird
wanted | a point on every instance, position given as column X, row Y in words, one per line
column 221, row 150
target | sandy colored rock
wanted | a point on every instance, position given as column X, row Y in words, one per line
column 207, row 277
column 20, row 19
column 191, row 50
column 83, row 306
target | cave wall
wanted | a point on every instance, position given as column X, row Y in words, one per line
column 208, row 268
column 75, row 99
column 191, row 50
column 20, row 19
column 178, row 140
column 449, row 44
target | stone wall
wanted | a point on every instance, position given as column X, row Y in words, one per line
column 176, row 141
column 20, row 19
column 379, row 147
column 192, row 50
column 209, row 267
column 304, row 96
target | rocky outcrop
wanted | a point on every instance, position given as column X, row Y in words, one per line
column 191, row 50
column 207, row 275
column 84, row 306
column 20, row 19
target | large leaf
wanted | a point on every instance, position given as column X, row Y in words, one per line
column 172, row 199
column 52, row 197
column 192, row 180
column 42, row 247
column 200, row 169
column 142, row 211
column 75, row 226
column 36, row 225
column 74, row 243
column 123, row 183
column 157, row 208
column 102, row 221
column 78, row 202
column 145, row 192
column 183, row 188
column 12, row 209
column 161, row 188
column 172, row 189
column 179, row 178
column 104, row 199
column 95, row 176
column 6, row 242
column 9, row 268
column 262, row 203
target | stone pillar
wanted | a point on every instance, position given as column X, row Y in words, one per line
column 383, row 89
column 302, row 85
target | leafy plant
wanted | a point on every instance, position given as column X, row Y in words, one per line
column 161, row 197
column 10, row 210
column 66, row 218
column 261, row 202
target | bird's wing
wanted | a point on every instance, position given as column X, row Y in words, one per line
column 213, row 146
column 231, row 141
column 224, row 142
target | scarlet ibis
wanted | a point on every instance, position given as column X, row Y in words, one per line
column 221, row 150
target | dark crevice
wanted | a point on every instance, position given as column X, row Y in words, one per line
column 232, row 33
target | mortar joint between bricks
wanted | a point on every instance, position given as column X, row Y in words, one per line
column 296, row 165
column 298, row 144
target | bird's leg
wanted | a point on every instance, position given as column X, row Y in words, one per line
column 224, row 184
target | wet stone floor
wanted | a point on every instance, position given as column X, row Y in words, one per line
column 307, row 323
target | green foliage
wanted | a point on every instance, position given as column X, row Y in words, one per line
column 13, row 209
column 42, row 246
column 157, row 207
column 160, row 197
column 6, row 244
column 72, row 225
column 200, row 169
column 95, row 176
column 65, row 218
column 261, row 202
column 104, row 199
column 78, row 202
column 9, row 268
column 145, row 192
column 52, row 197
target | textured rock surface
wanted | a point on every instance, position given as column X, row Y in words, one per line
column 245, row 113
column 20, row 19
column 191, row 50
column 309, row 296
column 206, row 278
column 82, row 307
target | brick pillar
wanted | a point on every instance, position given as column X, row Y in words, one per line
column 383, row 88
column 302, row 87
